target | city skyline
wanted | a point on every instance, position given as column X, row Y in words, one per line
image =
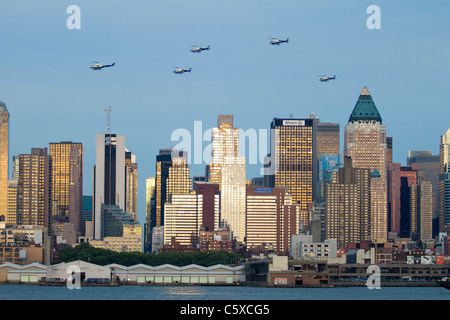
column 404, row 69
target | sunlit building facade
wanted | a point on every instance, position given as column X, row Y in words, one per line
column 34, row 205
column 67, row 182
column 271, row 219
column 225, row 143
column 4, row 154
column 13, row 188
column 232, row 196
column 365, row 143
column 293, row 159
column 183, row 219
column 347, row 206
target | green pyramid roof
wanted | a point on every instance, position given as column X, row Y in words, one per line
column 375, row 174
column 365, row 109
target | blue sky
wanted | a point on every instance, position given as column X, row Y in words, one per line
column 53, row 96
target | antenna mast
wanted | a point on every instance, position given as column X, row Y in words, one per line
column 108, row 119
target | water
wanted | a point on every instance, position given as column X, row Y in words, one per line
column 35, row 292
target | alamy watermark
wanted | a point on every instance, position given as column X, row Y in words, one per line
column 374, row 279
column 374, row 21
column 74, row 279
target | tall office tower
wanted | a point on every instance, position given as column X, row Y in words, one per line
column 150, row 197
column 225, row 143
column 131, row 185
column 4, row 154
column 430, row 168
column 444, row 201
column 211, row 204
column 109, row 176
column 232, row 196
column 292, row 161
column 34, row 204
column 347, row 205
column 67, row 182
column 271, row 219
column 389, row 150
column 11, row 213
column 183, row 218
column 365, row 143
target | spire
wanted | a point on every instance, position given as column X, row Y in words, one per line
column 365, row 92
column 365, row 109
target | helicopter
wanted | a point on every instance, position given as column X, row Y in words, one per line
column 199, row 49
column 99, row 66
column 277, row 42
column 181, row 70
column 326, row 78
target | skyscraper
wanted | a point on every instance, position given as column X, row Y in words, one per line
column 232, row 196
column 4, row 153
column 444, row 192
column 365, row 143
column 225, row 143
column 34, row 206
column 172, row 176
column 67, row 182
column 109, row 176
column 430, row 170
column 150, row 210
column 293, row 159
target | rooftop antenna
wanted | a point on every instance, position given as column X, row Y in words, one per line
column 291, row 115
column 108, row 118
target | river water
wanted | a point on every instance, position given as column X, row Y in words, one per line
column 236, row 293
